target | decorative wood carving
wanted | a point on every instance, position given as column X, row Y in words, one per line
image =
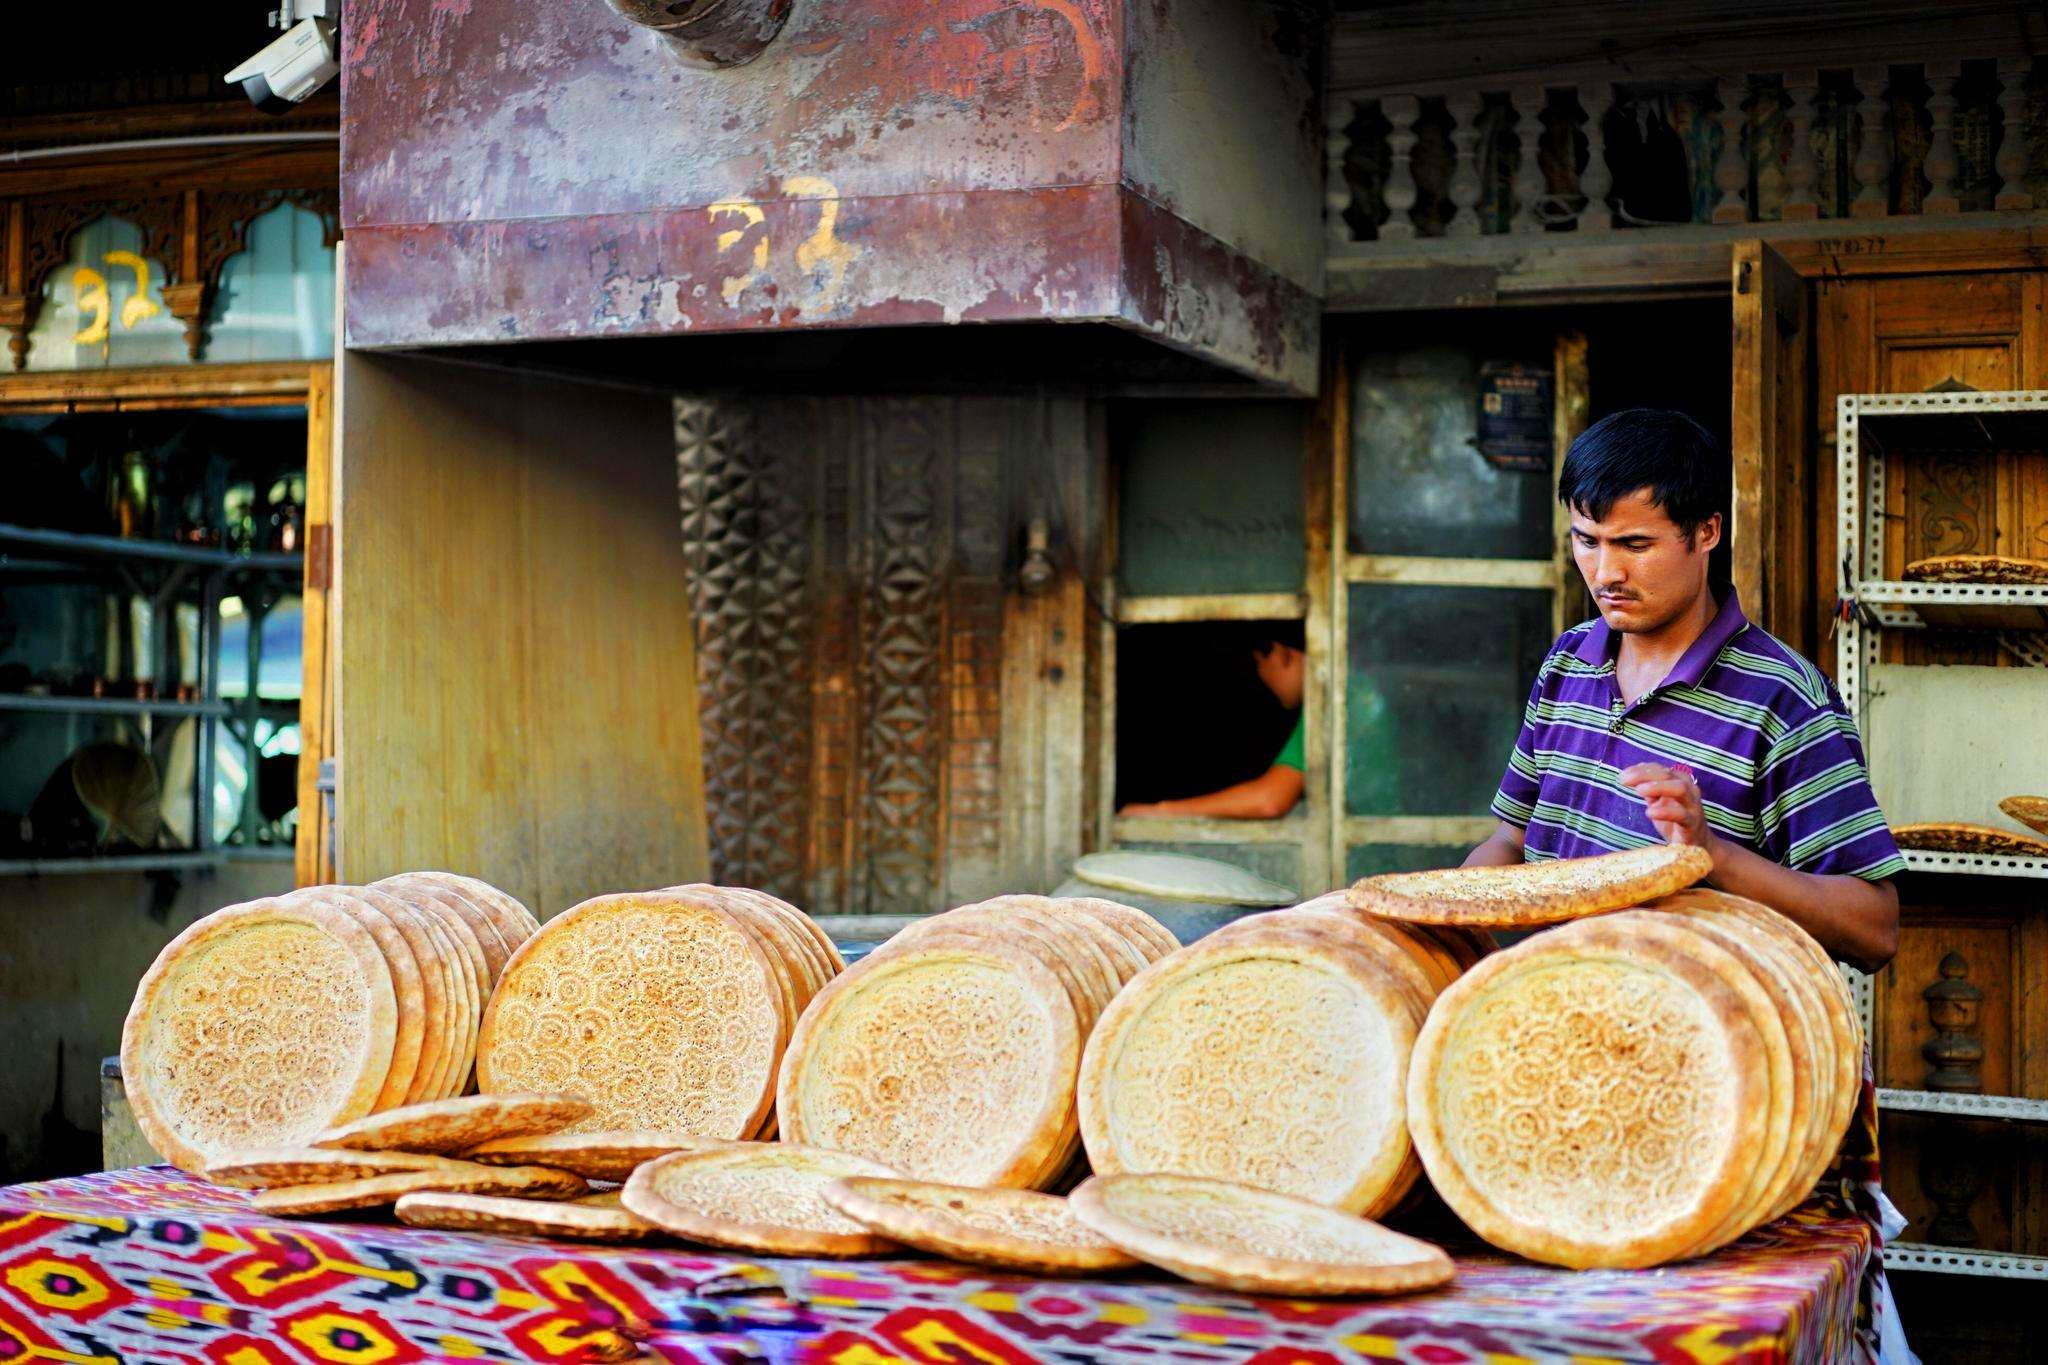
column 847, row 562
column 2011, row 161
column 903, row 628
column 1955, row 1056
column 44, row 233
column 1596, row 182
column 1873, row 145
column 1802, row 167
column 747, row 546
column 1942, row 162
column 1464, row 187
column 1528, row 102
column 1336, row 189
column 1731, row 164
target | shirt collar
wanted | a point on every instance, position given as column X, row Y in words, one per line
column 1601, row 644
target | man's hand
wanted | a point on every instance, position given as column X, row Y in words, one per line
column 1137, row 809
column 1672, row 800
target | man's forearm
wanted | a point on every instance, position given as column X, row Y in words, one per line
column 1856, row 920
column 1266, row 797
column 1502, row 848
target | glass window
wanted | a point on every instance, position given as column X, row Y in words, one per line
column 1437, row 678
column 1211, row 498
column 1418, row 484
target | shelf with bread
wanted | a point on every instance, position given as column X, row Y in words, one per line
column 1941, row 642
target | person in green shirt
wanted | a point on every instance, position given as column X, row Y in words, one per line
column 1283, row 667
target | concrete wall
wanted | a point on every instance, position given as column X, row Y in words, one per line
column 71, row 950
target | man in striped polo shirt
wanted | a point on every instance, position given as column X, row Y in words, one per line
column 1671, row 718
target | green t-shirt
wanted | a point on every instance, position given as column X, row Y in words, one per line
column 1293, row 754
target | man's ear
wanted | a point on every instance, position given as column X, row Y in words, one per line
column 1708, row 535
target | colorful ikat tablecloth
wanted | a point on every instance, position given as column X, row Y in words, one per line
column 151, row 1265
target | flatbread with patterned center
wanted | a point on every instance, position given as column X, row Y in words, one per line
column 1979, row 569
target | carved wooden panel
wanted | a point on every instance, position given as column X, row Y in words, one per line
column 746, row 542
column 848, row 560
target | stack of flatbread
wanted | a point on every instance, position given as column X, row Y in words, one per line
column 1639, row 1087
column 267, row 1022
column 1273, row 1053
column 669, row 1009
column 950, row 1053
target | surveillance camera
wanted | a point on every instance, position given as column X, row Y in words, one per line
column 290, row 69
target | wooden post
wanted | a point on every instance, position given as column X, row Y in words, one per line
column 2011, row 162
column 1401, row 112
column 1802, row 168
column 1942, row 163
column 1464, row 186
column 1598, row 180
column 1731, row 167
column 1873, row 154
column 1528, row 103
column 1336, row 188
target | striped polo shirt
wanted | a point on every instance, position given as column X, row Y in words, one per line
column 1776, row 754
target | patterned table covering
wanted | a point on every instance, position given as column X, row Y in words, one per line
column 151, row 1265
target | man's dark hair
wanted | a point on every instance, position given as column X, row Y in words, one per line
column 1261, row 636
column 1666, row 452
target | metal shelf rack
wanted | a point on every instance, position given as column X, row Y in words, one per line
column 2008, row 1107
column 157, row 571
column 1868, row 426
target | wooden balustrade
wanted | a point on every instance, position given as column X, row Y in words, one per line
column 1868, row 141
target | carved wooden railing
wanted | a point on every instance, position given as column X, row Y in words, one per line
column 1866, row 142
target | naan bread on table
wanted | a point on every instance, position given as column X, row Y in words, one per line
column 1009, row 1229
column 452, row 1125
column 1531, row 894
column 258, row 1026
column 595, row 1156
column 1255, row 1241
column 593, row 1218
column 765, row 1197
column 533, row 1182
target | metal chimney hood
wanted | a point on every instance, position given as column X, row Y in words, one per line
column 879, row 187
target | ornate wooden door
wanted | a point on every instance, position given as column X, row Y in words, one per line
column 869, row 744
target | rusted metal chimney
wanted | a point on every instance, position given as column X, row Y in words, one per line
column 710, row 34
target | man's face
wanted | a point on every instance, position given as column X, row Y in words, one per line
column 1641, row 569
column 1282, row 669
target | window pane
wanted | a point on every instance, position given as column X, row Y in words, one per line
column 1211, row 498
column 1437, row 681
column 1418, row 485
column 1370, row 860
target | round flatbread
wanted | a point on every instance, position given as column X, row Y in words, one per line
column 593, row 1218
column 759, row 1197
column 258, row 1026
column 1590, row 1098
column 482, row 926
column 407, row 984
column 1009, row 1229
column 1273, row 1056
column 1256, row 1241
column 946, row 1060
column 268, row 1167
column 451, row 1125
column 659, row 1007
column 1533, row 893
column 469, row 973
column 532, row 1182
column 514, row 921
column 2031, row 811
column 594, row 1156
column 1954, row 836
